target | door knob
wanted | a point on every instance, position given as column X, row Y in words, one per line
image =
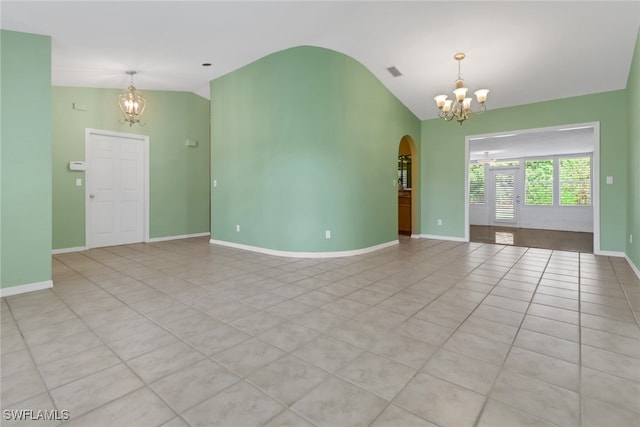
column 91, row 196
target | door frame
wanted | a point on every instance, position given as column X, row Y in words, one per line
column 144, row 139
column 595, row 178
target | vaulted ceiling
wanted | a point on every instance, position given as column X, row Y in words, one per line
column 524, row 52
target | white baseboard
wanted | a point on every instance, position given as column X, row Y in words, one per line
column 67, row 250
column 178, row 237
column 449, row 238
column 29, row 287
column 288, row 254
column 153, row 240
column 633, row 266
column 416, row 236
column 609, row 253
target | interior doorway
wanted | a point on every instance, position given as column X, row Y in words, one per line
column 116, row 185
column 407, row 181
column 536, row 181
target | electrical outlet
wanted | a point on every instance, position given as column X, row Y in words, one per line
column 327, row 234
column 215, row 182
column 238, row 228
column 439, row 222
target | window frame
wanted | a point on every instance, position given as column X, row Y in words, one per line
column 484, row 185
column 559, row 186
column 553, row 181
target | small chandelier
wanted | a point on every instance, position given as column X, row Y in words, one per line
column 486, row 160
column 460, row 107
column 132, row 103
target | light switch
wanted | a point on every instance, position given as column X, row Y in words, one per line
column 609, row 180
column 78, row 182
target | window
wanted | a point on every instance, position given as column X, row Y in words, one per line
column 539, row 182
column 476, row 184
column 575, row 181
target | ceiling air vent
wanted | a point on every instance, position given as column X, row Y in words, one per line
column 394, row 71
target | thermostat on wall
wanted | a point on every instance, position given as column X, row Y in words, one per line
column 76, row 166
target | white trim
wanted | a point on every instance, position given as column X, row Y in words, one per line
column 416, row 236
column 633, row 266
column 181, row 236
column 595, row 178
column 67, row 250
column 288, row 254
column 467, row 188
column 147, row 167
column 609, row 253
column 448, row 238
column 595, row 182
column 29, row 287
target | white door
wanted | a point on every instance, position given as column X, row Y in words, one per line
column 115, row 188
column 505, row 197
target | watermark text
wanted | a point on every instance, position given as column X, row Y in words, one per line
column 35, row 415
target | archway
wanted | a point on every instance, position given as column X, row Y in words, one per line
column 408, row 181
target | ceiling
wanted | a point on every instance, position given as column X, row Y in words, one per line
column 577, row 139
column 524, row 52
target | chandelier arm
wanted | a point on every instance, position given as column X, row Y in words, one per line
column 445, row 116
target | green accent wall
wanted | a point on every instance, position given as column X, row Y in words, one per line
column 305, row 140
column 25, row 159
column 633, row 193
column 179, row 175
column 443, row 158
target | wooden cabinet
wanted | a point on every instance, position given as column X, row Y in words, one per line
column 404, row 212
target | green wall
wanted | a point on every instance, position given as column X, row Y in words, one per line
column 305, row 140
column 25, row 159
column 633, row 193
column 179, row 175
column 443, row 158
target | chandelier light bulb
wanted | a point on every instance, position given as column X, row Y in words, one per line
column 481, row 95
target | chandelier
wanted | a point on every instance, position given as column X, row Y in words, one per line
column 486, row 160
column 459, row 108
column 132, row 103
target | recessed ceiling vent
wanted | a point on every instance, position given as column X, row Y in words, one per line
column 394, row 71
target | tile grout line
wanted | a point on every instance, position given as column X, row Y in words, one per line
column 241, row 378
column 288, row 319
column 515, row 336
column 35, row 365
column 144, row 384
column 624, row 291
column 419, row 370
column 580, row 403
column 440, row 346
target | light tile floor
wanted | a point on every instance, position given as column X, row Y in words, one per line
column 427, row 333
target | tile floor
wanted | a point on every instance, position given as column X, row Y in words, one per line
column 427, row 333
